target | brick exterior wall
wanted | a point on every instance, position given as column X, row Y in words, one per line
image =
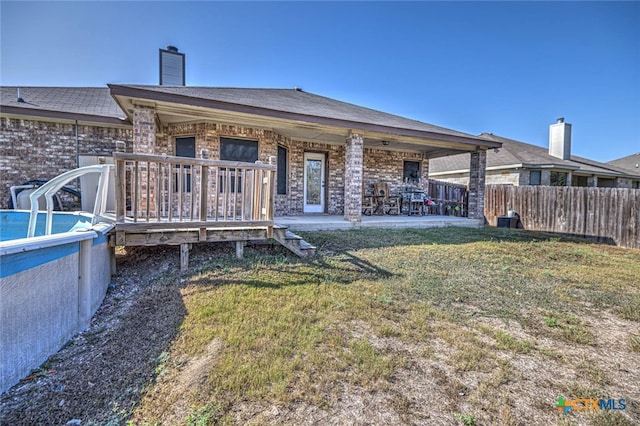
column 387, row 166
column 477, row 170
column 32, row 149
column 335, row 160
column 492, row 177
column 208, row 136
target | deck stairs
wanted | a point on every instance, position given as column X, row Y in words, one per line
column 293, row 242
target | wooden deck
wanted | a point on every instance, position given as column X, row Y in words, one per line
column 182, row 201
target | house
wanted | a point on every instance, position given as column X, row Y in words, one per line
column 326, row 150
column 630, row 163
column 520, row 163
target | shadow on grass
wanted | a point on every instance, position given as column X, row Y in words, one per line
column 271, row 268
column 342, row 241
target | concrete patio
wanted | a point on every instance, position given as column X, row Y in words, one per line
column 322, row 222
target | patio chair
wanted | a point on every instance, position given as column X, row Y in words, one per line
column 390, row 204
column 368, row 202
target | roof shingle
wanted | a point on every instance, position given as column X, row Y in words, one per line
column 95, row 101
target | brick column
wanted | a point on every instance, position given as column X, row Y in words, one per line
column 477, row 172
column 592, row 181
column 353, row 178
column 144, row 130
column 144, row 142
column 569, row 179
column 424, row 174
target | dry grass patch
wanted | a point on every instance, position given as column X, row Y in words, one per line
column 473, row 319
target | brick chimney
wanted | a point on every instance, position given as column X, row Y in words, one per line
column 560, row 140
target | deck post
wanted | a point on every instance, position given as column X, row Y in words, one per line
column 353, row 178
column 184, row 256
column 112, row 260
column 239, row 249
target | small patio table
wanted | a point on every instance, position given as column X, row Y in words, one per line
column 415, row 201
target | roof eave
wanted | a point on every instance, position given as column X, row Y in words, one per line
column 62, row 115
column 488, row 168
column 135, row 92
column 549, row 166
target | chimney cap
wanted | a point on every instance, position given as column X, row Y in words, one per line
column 560, row 120
column 172, row 49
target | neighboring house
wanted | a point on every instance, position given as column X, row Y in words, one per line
column 630, row 163
column 45, row 131
column 519, row 163
column 326, row 150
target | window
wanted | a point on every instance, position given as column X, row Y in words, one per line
column 606, row 182
column 411, row 172
column 577, row 180
column 282, row 170
column 236, row 150
column 185, row 147
column 535, row 177
column 558, row 179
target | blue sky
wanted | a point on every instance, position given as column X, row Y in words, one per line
column 509, row 68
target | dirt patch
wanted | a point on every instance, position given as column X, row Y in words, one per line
column 187, row 381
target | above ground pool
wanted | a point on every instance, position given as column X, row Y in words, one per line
column 50, row 286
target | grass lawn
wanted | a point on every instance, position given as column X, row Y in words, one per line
column 439, row 327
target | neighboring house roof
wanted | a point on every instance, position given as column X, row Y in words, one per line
column 295, row 104
column 631, row 163
column 93, row 104
column 516, row 154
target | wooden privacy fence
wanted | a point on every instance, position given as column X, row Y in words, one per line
column 154, row 191
column 450, row 198
column 610, row 215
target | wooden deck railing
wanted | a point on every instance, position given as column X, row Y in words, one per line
column 156, row 192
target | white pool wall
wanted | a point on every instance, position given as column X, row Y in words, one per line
column 50, row 287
